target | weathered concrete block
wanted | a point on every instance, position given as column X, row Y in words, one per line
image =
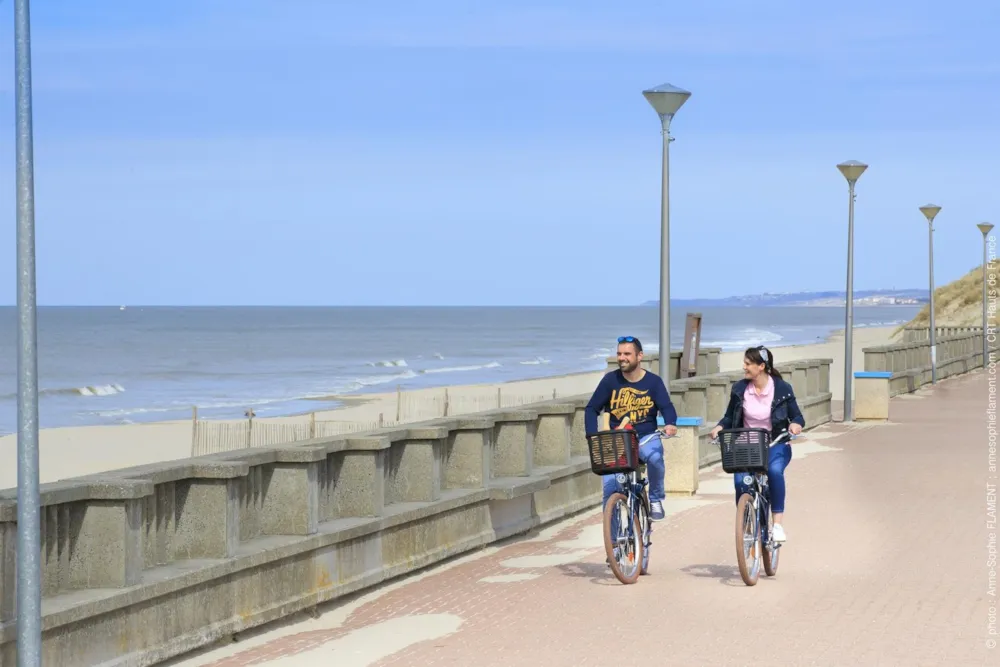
column 291, row 506
column 413, row 471
column 208, row 518
column 552, row 446
column 467, row 454
column 871, row 391
column 105, row 544
column 716, row 399
column 696, row 399
column 353, row 484
column 514, row 444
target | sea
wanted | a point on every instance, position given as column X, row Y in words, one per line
column 131, row 364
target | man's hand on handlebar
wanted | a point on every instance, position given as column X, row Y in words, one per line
column 669, row 430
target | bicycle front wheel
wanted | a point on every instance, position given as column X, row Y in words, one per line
column 623, row 540
column 748, row 547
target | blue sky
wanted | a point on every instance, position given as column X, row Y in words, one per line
column 310, row 152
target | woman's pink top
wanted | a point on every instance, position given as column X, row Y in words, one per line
column 757, row 406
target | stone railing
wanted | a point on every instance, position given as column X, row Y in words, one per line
column 910, row 362
column 708, row 361
column 913, row 334
column 142, row 564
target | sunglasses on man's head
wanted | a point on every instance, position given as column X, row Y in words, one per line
column 626, row 339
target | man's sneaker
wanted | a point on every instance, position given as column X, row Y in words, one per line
column 656, row 511
column 778, row 533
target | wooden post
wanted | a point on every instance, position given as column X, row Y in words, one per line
column 249, row 415
column 446, row 401
column 312, row 425
column 688, row 365
column 194, row 430
column 498, row 398
column 399, row 401
column 380, row 422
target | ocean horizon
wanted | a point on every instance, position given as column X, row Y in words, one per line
column 121, row 365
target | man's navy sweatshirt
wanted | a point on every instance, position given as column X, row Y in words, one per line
column 641, row 401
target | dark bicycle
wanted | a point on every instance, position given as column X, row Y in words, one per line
column 627, row 525
column 747, row 450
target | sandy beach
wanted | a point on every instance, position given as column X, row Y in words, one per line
column 73, row 451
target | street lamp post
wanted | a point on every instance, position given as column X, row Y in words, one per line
column 29, row 589
column 852, row 170
column 930, row 211
column 985, row 228
column 665, row 100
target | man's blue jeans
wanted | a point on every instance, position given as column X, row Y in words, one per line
column 778, row 459
column 650, row 453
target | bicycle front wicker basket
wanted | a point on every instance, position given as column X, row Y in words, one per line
column 745, row 449
column 613, row 451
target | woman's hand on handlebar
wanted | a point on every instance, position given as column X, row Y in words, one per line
column 794, row 429
column 715, row 431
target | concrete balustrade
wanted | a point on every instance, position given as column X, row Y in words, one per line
column 145, row 563
column 909, row 363
column 708, row 361
column 913, row 334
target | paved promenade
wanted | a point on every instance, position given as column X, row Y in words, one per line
column 885, row 564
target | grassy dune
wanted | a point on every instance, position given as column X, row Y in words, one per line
column 957, row 304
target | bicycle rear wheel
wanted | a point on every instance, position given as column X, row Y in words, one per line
column 748, row 546
column 623, row 540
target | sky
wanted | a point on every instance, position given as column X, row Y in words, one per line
column 311, row 152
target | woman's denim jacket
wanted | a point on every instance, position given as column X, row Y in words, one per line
column 784, row 409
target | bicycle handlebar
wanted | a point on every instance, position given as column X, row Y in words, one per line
column 782, row 436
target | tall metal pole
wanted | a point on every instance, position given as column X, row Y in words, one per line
column 986, row 357
column 849, row 318
column 665, row 257
column 985, row 228
column 930, row 256
column 29, row 591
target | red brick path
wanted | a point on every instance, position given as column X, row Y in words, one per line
column 885, row 565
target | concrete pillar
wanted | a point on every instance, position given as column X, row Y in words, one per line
column 552, row 445
column 291, row 505
column 716, row 399
column 513, row 443
column 682, row 458
column 467, row 454
column 353, row 484
column 871, row 395
column 413, row 467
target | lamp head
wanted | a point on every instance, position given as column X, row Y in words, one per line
column 930, row 211
column 852, row 170
column 985, row 227
column 666, row 99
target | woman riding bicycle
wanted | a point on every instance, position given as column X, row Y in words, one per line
column 764, row 400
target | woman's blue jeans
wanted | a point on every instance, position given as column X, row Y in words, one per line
column 779, row 458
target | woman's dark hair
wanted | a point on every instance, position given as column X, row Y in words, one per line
column 762, row 355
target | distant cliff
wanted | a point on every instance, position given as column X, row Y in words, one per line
column 957, row 304
column 908, row 297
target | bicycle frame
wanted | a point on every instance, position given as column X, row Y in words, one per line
column 756, row 486
column 633, row 485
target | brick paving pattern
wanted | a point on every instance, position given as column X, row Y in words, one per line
column 885, row 565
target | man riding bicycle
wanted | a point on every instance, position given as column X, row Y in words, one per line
column 639, row 395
